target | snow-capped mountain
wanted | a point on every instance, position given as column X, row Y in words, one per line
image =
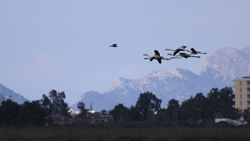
column 6, row 93
column 219, row 70
column 229, row 62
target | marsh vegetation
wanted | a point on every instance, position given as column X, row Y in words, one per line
column 126, row 132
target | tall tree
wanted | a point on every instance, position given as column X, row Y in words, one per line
column 56, row 103
column 173, row 103
column 172, row 110
column 32, row 113
column 81, row 107
column 217, row 103
column 135, row 114
column 120, row 113
column 147, row 101
column 9, row 112
column 2, row 98
column 47, row 105
column 12, row 113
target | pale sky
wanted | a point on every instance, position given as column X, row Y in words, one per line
column 64, row 45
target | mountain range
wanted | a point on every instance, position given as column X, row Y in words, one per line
column 218, row 71
column 6, row 93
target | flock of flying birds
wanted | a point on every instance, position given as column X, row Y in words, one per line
column 175, row 54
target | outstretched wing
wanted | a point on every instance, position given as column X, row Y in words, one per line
column 185, row 55
column 166, row 58
column 152, row 58
column 159, row 60
column 176, row 51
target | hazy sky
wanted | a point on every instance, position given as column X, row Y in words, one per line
column 64, row 45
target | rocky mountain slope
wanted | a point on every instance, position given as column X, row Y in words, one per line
column 6, row 93
column 219, row 70
column 229, row 62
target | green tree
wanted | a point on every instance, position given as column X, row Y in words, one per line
column 219, row 100
column 245, row 114
column 194, row 107
column 47, row 105
column 135, row 114
column 218, row 103
column 2, row 98
column 226, row 96
column 173, row 104
column 172, row 110
column 12, row 113
column 120, row 113
column 32, row 113
column 55, row 103
column 81, row 107
column 9, row 112
column 146, row 101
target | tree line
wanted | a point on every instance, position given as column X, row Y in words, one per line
column 35, row 112
column 217, row 103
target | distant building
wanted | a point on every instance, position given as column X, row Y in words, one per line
column 242, row 93
column 73, row 113
column 93, row 118
column 100, row 118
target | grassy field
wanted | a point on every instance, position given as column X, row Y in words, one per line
column 125, row 132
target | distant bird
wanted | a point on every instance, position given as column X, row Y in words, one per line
column 193, row 51
column 182, row 55
column 182, row 48
column 113, row 45
column 156, row 56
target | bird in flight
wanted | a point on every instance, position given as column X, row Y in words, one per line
column 182, row 48
column 113, row 45
column 157, row 56
column 182, row 55
column 193, row 51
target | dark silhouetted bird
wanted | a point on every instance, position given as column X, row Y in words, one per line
column 182, row 48
column 113, row 45
column 157, row 57
column 182, row 55
column 193, row 51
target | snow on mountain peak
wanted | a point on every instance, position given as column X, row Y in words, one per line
column 161, row 74
column 121, row 83
column 177, row 73
column 228, row 62
column 182, row 73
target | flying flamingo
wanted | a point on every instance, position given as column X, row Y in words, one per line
column 182, row 48
column 193, row 51
column 181, row 55
column 156, row 56
column 113, row 45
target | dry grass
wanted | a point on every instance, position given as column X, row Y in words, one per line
column 125, row 132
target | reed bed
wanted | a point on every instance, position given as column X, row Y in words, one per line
column 124, row 132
